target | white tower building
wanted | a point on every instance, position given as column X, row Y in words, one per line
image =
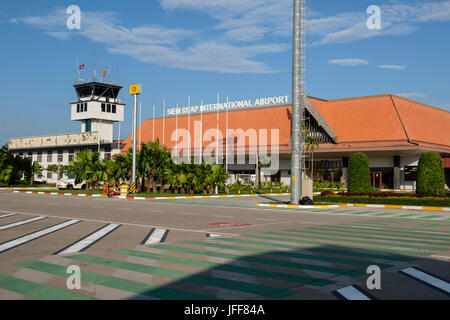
column 98, row 108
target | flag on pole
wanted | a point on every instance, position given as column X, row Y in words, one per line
column 83, row 66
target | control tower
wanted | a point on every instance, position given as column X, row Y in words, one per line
column 98, row 108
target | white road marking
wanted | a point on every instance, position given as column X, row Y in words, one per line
column 250, row 225
column 351, row 293
column 409, row 230
column 444, row 257
column 32, row 236
column 86, row 242
column 7, row 215
column 122, row 223
column 156, row 236
column 186, row 213
column 19, row 223
column 428, row 279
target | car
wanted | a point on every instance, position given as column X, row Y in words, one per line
column 70, row 183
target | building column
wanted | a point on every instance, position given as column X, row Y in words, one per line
column 396, row 172
column 345, row 170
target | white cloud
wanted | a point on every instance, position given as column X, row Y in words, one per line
column 239, row 27
column 398, row 18
column 163, row 46
column 349, row 62
column 412, row 95
column 393, row 67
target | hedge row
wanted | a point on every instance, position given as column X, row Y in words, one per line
column 407, row 201
column 384, row 194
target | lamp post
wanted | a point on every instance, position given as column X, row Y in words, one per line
column 135, row 90
column 297, row 91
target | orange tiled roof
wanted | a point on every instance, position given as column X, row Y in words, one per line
column 384, row 121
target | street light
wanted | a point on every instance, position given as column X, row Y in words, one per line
column 297, row 103
column 135, row 90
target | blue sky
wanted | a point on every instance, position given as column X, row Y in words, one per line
column 181, row 48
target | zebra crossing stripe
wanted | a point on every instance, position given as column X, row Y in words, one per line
column 8, row 245
column 7, row 215
column 352, row 293
column 156, row 236
column 19, row 223
column 89, row 240
column 428, row 279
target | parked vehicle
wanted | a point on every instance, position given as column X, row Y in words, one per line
column 70, row 183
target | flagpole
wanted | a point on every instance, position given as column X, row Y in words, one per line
column 217, row 131
column 153, row 123
column 189, row 127
column 201, row 131
column 78, row 71
column 176, row 131
column 164, row 121
column 118, row 143
column 226, row 142
column 140, row 125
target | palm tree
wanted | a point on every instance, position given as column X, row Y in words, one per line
column 123, row 167
column 311, row 146
column 218, row 176
column 36, row 169
column 85, row 166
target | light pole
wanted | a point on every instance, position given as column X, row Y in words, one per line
column 297, row 91
column 135, row 90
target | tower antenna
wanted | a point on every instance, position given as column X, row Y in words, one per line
column 93, row 63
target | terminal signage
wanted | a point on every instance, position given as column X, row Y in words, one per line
column 411, row 173
column 231, row 105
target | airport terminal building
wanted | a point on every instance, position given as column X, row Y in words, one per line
column 392, row 131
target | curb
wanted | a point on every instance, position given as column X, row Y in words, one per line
column 149, row 198
column 202, row 197
column 30, row 188
column 61, row 194
column 379, row 206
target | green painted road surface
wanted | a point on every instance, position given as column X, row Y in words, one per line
column 277, row 254
column 279, row 264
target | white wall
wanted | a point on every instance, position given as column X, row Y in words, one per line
column 384, row 162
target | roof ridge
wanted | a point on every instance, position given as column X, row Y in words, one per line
column 421, row 103
column 400, row 118
column 361, row 97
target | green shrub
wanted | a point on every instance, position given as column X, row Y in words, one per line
column 359, row 173
column 411, row 201
column 430, row 174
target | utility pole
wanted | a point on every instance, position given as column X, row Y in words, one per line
column 135, row 90
column 298, row 56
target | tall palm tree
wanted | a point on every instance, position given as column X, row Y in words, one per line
column 85, row 167
column 36, row 170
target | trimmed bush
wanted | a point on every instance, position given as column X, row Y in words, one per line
column 359, row 173
column 411, row 201
column 430, row 174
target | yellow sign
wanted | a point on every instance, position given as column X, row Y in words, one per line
column 136, row 89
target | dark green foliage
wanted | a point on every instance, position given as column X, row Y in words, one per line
column 359, row 173
column 430, row 174
column 411, row 201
